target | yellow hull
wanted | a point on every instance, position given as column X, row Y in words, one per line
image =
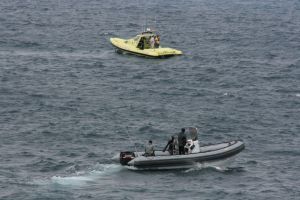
column 130, row 46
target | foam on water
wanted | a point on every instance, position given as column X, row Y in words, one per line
column 220, row 166
column 105, row 169
column 116, row 157
column 83, row 178
column 71, row 181
column 201, row 166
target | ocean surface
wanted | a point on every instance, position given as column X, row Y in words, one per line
column 69, row 103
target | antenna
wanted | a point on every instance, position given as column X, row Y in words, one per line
column 131, row 141
column 155, row 23
column 127, row 131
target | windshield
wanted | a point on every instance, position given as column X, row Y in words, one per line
column 192, row 133
column 136, row 38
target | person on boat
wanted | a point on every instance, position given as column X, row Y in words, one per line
column 152, row 42
column 181, row 141
column 169, row 146
column 157, row 40
column 175, row 145
column 149, row 149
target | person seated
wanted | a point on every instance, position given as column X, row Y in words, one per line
column 149, row 149
column 169, row 146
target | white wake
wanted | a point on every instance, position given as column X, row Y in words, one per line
column 84, row 178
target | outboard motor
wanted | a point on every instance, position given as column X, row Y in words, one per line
column 126, row 156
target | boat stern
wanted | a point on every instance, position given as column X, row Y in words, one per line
column 126, row 156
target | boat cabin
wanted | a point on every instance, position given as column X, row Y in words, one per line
column 147, row 40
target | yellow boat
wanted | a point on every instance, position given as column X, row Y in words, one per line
column 144, row 44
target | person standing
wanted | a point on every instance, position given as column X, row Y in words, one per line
column 175, row 145
column 169, row 146
column 152, row 41
column 157, row 41
column 181, row 141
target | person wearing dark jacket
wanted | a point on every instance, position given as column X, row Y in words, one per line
column 181, row 141
column 169, row 146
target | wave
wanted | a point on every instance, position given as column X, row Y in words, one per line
column 202, row 166
column 71, row 181
column 57, row 54
column 223, row 166
column 284, row 152
column 222, row 169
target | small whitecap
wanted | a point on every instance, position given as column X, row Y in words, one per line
column 105, row 169
column 71, row 181
column 298, row 95
column 225, row 94
column 116, row 158
column 38, row 182
column 220, row 169
column 82, row 178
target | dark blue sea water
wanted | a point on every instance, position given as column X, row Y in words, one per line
column 69, row 103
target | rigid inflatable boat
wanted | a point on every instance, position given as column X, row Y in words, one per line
column 198, row 154
column 145, row 44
